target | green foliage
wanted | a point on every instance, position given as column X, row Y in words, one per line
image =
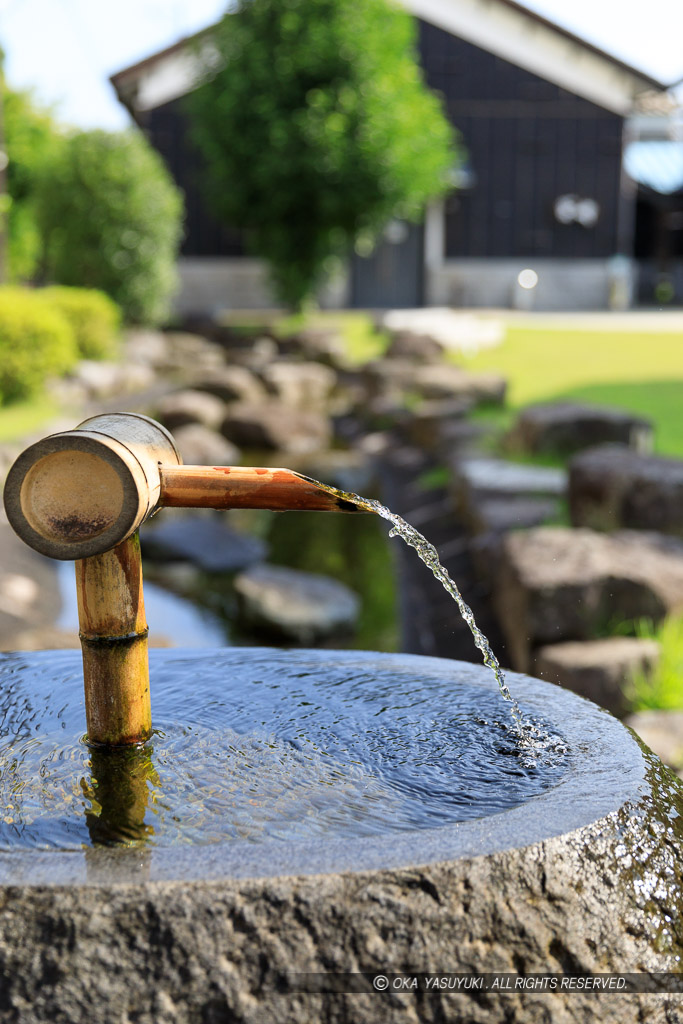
column 317, row 129
column 32, row 140
column 95, row 319
column 36, row 342
column 111, row 218
column 663, row 688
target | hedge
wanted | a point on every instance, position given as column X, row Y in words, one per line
column 36, row 342
column 94, row 318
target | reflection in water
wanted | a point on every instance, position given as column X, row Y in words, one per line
column 117, row 795
column 259, row 744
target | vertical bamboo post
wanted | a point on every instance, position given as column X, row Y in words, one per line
column 113, row 633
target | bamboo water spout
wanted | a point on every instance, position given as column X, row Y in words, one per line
column 83, row 495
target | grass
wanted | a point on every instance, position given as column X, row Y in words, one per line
column 641, row 372
column 22, row 418
column 663, row 689
column 363, row 341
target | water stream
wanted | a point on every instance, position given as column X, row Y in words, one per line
column 428, row 554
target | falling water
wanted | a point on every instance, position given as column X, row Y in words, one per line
column 428, row 554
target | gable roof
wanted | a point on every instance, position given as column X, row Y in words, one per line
column 502, row 27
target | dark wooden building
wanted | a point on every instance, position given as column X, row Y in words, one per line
column 541, row 115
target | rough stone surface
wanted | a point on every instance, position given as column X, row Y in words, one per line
column 602, row 896
column 556, row 584
column 300, row 605
column 600, row 670
column 190, row 406
column 275, row 426
column 491, row 477
column 177, row 953
column 397, row 377
column 662, row 732
column 233, row 384
column 191, row 354
column 612, row 486
column 349, row 470
column 567, row 427
column 97, row 380
column 498, row 515
column 201, row 446
column 203, row 540
column 425, row 425
column 29, row 588
column 419, row 347
column 447, row 381
column 323, row 346
column 304, row 386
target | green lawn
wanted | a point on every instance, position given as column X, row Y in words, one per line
column 22, row 418
column 640, row 372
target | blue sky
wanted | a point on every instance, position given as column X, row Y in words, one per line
column 66, row 49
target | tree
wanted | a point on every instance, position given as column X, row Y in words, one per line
column 32, row 139
column 316, row 129
column 111, row 219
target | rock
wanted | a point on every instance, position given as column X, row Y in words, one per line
column 205, row 541
column 600, row 670
column 396, row 378
column 498, row 515
column 320, row 345
column 191, row 353
column 277, row 427
column 555, row 583
column 565, row 427
column 233, row 384
column 425, row 425
column 347, row 470
column 304, row 386
column 420, row 348
column 661, row 731
column 107, row 380
column 298, row 605
column 145, row 346
column 612, row 486
column 499, row 477
column 190, row 406
column 446, row 381
column 200, row 446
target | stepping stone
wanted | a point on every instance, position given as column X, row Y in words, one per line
column 612, row 487
column 276, row 427
column 662, row 732
column 600, row 670
column 233, row 384
column 503, row 478
column 565, row 427
column 203, row 540
column 299, row 606
column 557, row 583
column 190, row 406
column 201, row 446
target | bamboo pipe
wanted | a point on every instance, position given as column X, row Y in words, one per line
column 83, row 495
column 113, row 633
column 246, row 487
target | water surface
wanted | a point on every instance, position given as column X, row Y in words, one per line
column 257, row 745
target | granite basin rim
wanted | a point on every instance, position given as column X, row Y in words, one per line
column 606, row 770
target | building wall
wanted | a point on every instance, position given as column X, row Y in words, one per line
column 528, row 142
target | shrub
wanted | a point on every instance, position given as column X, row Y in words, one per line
column 36, row 342
column 95, row 319
column 111, row 219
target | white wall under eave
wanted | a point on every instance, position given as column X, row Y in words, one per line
column 563, row 284
column 209, row 284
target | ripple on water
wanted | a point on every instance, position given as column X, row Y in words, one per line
column 253, row 745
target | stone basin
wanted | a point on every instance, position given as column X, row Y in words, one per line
column 581, row 873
